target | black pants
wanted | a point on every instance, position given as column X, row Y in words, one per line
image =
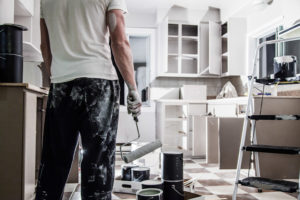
column 89, row 107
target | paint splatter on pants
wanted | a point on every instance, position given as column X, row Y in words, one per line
column 89, row 107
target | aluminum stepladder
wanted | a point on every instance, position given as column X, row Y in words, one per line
column 249, row 112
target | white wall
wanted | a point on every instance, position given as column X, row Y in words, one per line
column 7, row 11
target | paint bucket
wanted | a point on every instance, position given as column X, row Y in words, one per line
column 153, row 184
column 140, row 174
column 126, row 172
column 173, row 190
column 172, row 166
column 149, row 194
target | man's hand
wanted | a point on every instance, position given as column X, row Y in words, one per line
column 134, row 103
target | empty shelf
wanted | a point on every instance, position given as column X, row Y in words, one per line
column 273, row 149
column 274, row 117
column 269, row 184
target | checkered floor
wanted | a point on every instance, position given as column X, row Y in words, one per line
column 212, row 184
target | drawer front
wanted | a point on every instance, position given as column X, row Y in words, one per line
column 229, row 110
column 197, row 109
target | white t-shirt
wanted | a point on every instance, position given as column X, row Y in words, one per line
column 79, row 38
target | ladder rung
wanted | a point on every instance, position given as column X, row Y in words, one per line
column 269, row 184
column 273, row 149
column 274, row 117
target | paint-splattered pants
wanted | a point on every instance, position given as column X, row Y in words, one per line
column 89, row 107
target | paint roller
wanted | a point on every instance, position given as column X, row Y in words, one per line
column 140, row 152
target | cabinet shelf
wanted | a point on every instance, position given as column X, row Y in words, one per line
column 31, row 53
column 190, row 38
column 175, row 119
column 24, row 8
column 190, row 56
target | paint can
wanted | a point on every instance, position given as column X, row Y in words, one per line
column 126, row 172
column 153, row 184
column 149, row 194
column 140, row 174
column 172, row 166
column 173, row 190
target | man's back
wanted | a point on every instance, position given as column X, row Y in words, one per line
column 78, row 36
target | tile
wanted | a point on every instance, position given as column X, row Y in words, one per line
column 191, row 166
column 188, row 161
column 295, row 194
column 229, row 174
column 209, row 165
column 272, row 196
column 248, row 189
column 223, row 190
column 204, row 176
column 76, row 196
column 210, row 182
column 196, row 170
column 238, row 197
column 202, row 191
column 67, row 195
column 209, row 197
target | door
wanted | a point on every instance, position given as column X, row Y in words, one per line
column 215, row 48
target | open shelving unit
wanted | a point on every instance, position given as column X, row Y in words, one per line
column 224, row 36
column 183, row 50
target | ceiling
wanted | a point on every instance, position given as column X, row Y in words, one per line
column 151, row 6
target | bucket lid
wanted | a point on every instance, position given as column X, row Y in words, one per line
column 17, row 26
column 152, row 182
column 140, row 169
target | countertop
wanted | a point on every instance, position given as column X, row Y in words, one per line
column 26, row 86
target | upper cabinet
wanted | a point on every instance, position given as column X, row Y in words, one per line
column 178, row 49
column 234, row 38
column 207, row 49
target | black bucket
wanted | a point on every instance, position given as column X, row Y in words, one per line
column 149, row 194
column 126, row 172
column 153, row 184
column 172, row 166
column 140, row 174
column 173, row 190
column 11, row 39
column 11, row 69
column 11, row 53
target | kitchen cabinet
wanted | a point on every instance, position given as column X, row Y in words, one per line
column 21, row 126
column 179, row 126
column 178, row 47
column 210, row 48
column 230, row 107
column 234, row 52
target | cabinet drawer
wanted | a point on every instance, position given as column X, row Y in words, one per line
column 197, row 109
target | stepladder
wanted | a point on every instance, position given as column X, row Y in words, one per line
column 255, row 148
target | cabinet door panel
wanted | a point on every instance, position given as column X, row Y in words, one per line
column 215, row 48
column 29, row 144
column 162, row 47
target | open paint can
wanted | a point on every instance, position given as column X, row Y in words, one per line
column 172, row 166
column 153, row 184
column 149, row 194
column 126, row 171
column 140, row 174
column 173, row 190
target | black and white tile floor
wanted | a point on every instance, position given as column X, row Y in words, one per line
column 212, row 184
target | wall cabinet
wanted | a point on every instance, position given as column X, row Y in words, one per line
column 234, row 52
column 210, row 48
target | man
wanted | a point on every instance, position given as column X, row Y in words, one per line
column 84, row 94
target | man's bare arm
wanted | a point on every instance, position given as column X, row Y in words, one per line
column 123, row 57
column 45, row 46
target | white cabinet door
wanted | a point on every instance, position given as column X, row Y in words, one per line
column 204, row 46
column 162, row 47
column 215, row 48
column 237, row 40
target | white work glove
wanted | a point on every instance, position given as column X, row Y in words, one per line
column 134, row 103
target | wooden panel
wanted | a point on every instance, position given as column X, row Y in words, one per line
column 281, row 133
column 199, row 136
column 29, row 144
column 230, row 132
column 215, row 48
column 11, row 143
column 212, row 134
column 204, row 54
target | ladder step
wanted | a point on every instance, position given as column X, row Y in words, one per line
column 269, row 184
column 273, row 149
column 274, row 117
